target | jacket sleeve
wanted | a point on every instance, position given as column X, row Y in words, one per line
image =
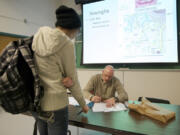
column 69, row 65
column 88, row 91
column 122, row 94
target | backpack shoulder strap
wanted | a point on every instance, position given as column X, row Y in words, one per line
column 25, row 47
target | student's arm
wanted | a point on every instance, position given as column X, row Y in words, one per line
column 69, row 66
column 67, row 82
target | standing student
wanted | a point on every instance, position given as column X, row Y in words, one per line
column 55, row 60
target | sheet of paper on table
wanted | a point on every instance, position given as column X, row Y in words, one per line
column 101, row 107
column 72, row 101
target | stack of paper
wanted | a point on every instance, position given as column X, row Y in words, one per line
column 101, row 107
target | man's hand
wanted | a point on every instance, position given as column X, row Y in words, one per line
column 85, row 109
column 110, row 102
column 96, row 99
column 67, row 82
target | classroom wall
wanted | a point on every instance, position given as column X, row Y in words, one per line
column 24, row 17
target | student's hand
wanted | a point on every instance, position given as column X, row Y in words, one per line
column 110, row 102
column 85, row 109
column 67, row 82
column 96, row 99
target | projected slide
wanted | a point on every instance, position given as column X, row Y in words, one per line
column 130, row 31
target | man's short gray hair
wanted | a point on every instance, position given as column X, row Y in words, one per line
column 110, row 67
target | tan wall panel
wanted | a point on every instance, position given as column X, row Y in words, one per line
column 4, row 40
column 164, row 85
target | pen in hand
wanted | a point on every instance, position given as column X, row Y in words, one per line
column 90, row 105
column 79, row 112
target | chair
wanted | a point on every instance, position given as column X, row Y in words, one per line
column 155, row 100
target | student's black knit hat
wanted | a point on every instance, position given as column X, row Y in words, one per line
column 67, row 18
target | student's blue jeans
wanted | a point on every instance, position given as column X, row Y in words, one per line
column 58, row 127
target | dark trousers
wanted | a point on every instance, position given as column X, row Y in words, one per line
column 58, row 127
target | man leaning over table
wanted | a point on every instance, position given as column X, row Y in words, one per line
column 103, row 88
